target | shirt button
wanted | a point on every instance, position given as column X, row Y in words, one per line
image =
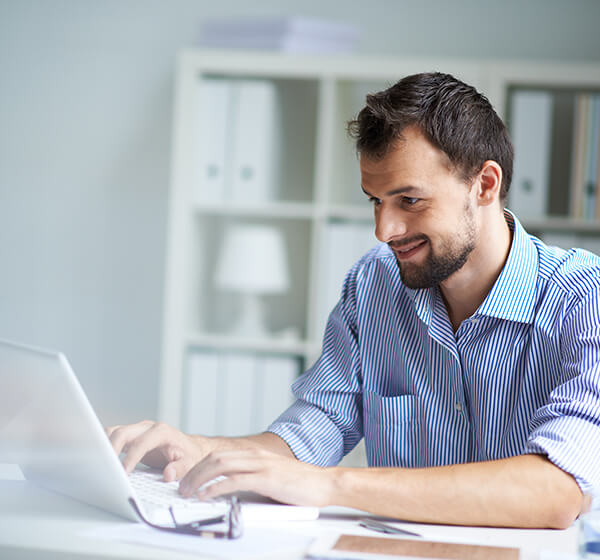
column 458, row 407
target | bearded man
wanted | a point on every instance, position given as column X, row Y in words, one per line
column 463, row 350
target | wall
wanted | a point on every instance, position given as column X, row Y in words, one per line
column 85, row 117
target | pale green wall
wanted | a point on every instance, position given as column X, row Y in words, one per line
column 85, row 116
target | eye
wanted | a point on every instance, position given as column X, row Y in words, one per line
column 410, row 201
column 374, row 201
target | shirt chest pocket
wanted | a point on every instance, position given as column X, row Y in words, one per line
column 393, row 430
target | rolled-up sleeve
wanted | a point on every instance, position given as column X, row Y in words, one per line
column 325, row 422
column 567, row 428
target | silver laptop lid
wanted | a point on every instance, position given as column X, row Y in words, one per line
column 48, row 428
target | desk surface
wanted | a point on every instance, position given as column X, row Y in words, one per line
column 36, row 524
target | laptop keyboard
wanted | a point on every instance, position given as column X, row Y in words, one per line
column 156, row 494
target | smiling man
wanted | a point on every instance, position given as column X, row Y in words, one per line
column 465, row 351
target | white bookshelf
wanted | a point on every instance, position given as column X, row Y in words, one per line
column 319, row 95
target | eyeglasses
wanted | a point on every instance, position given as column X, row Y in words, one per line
column 233, row 519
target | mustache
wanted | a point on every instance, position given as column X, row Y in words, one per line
column 399, row 244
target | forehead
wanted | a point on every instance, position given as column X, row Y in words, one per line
column 411, row 160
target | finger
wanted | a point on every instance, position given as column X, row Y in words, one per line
column 120, row 436
column 176, row 470
column 110, row 429
column 151, row 439
column 224, row 463
column 241, row 482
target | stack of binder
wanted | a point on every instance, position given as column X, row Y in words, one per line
column 238, row 141
column 585, row 202
column 556, row 135
column 236, row 393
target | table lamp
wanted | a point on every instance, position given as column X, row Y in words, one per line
column 252, row 263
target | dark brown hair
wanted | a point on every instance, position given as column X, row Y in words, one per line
column 452, row 115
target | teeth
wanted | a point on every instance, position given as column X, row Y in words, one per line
column 406, row 250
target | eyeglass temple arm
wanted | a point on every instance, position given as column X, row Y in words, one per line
column 234, row 530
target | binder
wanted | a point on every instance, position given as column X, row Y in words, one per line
column 275, row 375
column 236, row 395
column 345, row 243
column 255, row 150
column 564, row 240
column 201, row 396
column 213, row 127
column 580, row 135
column 567, row 240
column 531, row 129
column 563, row 116
column 591, row 164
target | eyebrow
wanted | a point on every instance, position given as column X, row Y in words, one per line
column 399, row 190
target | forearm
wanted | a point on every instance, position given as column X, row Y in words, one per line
column 523, row 491
column 266, row 440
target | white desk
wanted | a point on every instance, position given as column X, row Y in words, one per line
column 37, row 524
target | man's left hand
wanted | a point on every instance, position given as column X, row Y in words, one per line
column 281, row 478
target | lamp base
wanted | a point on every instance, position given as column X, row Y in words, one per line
column 251, row 322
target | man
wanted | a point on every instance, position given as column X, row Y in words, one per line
column 463, row 350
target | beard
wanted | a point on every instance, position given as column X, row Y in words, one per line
column 441, row 262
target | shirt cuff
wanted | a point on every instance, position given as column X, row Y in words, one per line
column 567, row 443
column 310, row 434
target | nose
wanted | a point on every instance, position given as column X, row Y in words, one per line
column 389, row 224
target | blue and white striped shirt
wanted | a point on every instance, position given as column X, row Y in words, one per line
column 522, row 375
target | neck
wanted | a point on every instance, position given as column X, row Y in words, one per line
column 466, row 289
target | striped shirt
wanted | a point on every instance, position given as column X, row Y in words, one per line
column 521, row 375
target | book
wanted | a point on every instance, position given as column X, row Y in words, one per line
column 531, row 126
column 350, row 547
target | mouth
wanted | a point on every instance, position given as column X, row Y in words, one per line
column 409, row 250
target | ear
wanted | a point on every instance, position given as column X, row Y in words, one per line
column 488, row 183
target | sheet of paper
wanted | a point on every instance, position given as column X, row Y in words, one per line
column 256, row 542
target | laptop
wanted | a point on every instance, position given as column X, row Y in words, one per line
column 49, row 429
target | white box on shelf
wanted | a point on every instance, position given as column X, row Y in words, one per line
column 286, row 34
column 531, row 129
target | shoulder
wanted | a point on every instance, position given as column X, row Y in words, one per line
column 377, row 263
column 574, row 272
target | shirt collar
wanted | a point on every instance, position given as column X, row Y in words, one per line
column 513, row 295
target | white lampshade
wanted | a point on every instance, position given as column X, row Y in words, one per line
column 252, row 262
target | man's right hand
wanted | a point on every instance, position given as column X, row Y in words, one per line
column 159, row 445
